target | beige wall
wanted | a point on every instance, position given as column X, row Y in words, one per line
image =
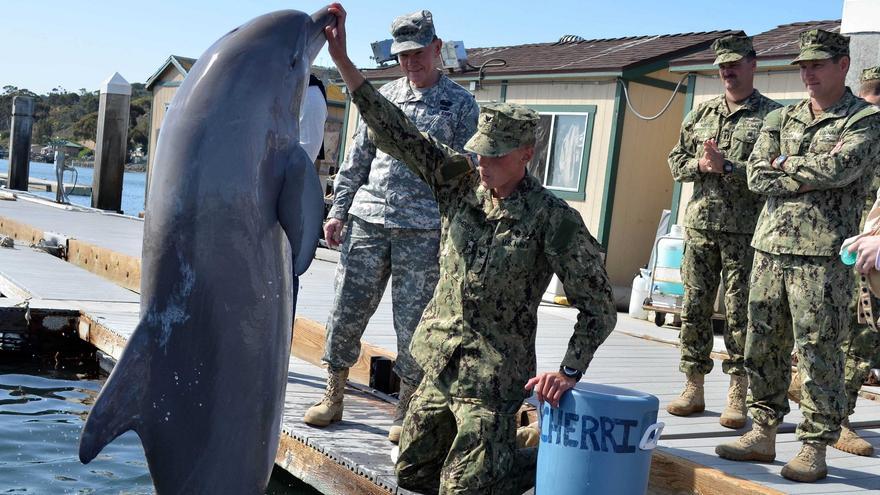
column 162, row 96
column 778, row 85
column 644, row 183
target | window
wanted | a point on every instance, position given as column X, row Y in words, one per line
column 562, row 149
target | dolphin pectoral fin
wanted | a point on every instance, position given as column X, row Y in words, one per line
column 119, row 405
column 300, row 210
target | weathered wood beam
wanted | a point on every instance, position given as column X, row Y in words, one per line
column 673, row 475
column 307, row 343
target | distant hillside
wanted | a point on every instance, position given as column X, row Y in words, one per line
column 62, row 114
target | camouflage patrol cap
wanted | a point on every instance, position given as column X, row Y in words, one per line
column 870, row 74
column 818, row 44
column 731, row 48
column 502, row 128
column 412, row 31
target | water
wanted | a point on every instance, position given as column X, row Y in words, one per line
column 43, row 405
column 133, row 185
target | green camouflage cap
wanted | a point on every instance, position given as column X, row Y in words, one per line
column 731, row 48
column 502, row 128
column 818, row 44
column 870, row 74
column 412, row 31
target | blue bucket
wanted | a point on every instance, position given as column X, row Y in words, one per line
column 599, row 440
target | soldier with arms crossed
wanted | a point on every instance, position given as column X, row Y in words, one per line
column 815, row 169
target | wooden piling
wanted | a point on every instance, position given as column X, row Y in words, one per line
column 112, row 143
column 20, row 142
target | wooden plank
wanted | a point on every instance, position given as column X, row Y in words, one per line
column 102, row 337
column 320, row 471
column 671, row 474
column 307, row 343
column 120, row 268
column 20, row 231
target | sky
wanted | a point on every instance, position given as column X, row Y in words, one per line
column 75, row 44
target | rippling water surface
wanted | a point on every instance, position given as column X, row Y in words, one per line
column 43, row 405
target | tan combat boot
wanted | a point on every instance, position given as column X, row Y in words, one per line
column 851, row 442
column 404, row 396
column 528, row 436
column 759, row 444
column 329, row 408
column 691, row 399
column 808, row 466
column 734, row 415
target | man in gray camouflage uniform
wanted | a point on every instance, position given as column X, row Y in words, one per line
column 713, row 148
column 504, row 236
column 392, row 219
column 800, row 291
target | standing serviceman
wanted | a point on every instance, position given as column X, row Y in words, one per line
column 863, row 345
column 393, row 225
column 713, row 148
column 800, row 291
column 504, row 236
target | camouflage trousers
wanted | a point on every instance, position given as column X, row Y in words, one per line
column 861, row 351
column 369, row 255
column 798, row 301
column 462, row 445
column 708, row 255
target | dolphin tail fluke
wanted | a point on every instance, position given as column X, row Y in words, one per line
column 118, row 407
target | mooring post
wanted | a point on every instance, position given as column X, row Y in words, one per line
column 112, row 143
column 20, row 142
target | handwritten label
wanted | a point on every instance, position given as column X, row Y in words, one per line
column 601, row 434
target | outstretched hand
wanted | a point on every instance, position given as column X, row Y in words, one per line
column 336, row 45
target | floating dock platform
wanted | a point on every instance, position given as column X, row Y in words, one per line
column 91, row 293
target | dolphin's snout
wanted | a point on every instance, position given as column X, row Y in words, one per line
column 323, row 18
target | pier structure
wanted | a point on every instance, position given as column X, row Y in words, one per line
column 90, row 293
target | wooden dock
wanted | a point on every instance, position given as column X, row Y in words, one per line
column 35, row 184
column 93, row 295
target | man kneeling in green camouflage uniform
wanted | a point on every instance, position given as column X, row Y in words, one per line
column 716, row 140
column 800, row 290
column 503, row 237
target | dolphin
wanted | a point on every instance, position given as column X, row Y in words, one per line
column 233, row 218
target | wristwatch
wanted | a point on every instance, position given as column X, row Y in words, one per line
column 728, row 166
column 571, row 373
column 780, row 160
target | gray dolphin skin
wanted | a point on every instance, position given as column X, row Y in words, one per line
column 233, row 218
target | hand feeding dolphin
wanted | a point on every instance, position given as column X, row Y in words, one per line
column 202, row 378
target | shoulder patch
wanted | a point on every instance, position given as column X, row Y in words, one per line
column 565, row 233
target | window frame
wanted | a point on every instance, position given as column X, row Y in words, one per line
column 578, row 194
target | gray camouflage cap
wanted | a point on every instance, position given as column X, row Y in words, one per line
column 818, row 44
column 731, row 48
column 502, row 128
column 870, row 74
column 412, row 31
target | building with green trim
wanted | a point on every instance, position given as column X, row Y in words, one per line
column 606, row 162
